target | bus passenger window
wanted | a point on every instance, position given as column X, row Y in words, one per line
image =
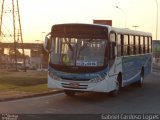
column 146, row 45
column 112, row 52
column 119, row 45
column 125, row 47
column 112, row 45
column 141, row 45
column 112, row 37
column 150, row 45
column 131, row 42
column 122, row 45
column 144, row 42
column 137, row 44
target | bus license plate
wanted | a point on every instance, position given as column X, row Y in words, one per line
column 74, row 85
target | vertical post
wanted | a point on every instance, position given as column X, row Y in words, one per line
column 2, row 8
column 156, row 20
column 125, row 19
column 24, row 59
column 14, row 33
column 156, row 52
column 38, row 60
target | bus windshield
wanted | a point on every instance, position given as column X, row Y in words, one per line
column 78, row 51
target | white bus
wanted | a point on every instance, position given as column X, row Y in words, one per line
column 98, row 58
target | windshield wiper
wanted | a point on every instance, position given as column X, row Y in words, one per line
column 69, row 45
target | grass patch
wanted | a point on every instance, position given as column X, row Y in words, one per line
column 34, row 89
column 30, row 81
column 6, row 87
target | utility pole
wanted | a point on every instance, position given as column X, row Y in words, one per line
column 125, row 15
column 10, row 27
column 156, row 19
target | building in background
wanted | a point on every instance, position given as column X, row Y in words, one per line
column 103, row 22
column 156, row 51
column 36, row 59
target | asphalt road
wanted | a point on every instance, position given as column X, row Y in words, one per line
column 130, row 100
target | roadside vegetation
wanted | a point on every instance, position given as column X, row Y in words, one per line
column 29, row 82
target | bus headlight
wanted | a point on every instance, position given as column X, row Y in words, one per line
column 51, row 74
column 97, row 79
column 54, row 76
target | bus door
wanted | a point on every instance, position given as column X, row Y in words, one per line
column 112, row 54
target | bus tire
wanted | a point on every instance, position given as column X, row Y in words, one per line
column 69, row 93
column 115, row 92
column 140, row 82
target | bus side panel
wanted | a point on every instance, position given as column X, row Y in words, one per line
column 148, row 65
column 132, row 66
column 118, row 63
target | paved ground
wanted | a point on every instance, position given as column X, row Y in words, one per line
column 13, row 95
column 130, row 100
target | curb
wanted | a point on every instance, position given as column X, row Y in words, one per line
column 31, row 95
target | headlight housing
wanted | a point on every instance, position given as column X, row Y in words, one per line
column 54, row 76
column 97, row 79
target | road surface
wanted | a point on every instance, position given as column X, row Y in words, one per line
column 130, row 100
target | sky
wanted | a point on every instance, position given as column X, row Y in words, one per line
column 38, row 16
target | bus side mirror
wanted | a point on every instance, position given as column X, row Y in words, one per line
column 47, row 43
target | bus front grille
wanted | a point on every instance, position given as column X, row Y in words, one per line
column 74, row 86
column 74, row 79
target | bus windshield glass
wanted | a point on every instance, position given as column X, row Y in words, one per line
column 70, row 51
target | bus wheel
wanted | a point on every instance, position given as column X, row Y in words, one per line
column 115, row 92
column 69, row 92
column 140, row 82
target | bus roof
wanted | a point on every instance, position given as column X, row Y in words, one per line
column 110, row 28
column 128, row 31
column 125, row 30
